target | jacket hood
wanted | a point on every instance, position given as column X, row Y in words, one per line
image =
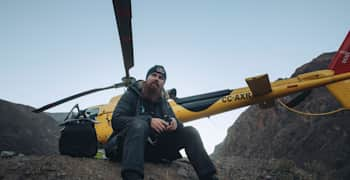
column 136, row 87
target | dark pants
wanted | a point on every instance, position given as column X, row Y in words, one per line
column 137, row 149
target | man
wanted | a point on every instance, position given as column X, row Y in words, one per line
column 151, row 132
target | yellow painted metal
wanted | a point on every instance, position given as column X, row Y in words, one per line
column 341, row 91
column 104, row 126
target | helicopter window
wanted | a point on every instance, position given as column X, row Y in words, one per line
column 73, row 113
column 202, row 101
column 92, row 112
column 206, row 96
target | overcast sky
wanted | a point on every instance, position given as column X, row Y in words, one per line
column 53, row 49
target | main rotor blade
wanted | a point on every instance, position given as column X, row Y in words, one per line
column 48, row 106
column 122, row 10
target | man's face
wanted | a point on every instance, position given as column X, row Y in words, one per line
column 156, row 80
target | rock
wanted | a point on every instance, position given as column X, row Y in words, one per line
column 64, row 167
column 25, row 132
column 7, row 154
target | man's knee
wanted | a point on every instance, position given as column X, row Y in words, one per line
column 139, row 126
column 191, row 131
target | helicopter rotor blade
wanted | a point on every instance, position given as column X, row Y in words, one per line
column 48, row 106
column 122, row 10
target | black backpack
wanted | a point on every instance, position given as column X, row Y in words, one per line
column 78, row 136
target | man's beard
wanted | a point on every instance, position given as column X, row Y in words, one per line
column 151, row 91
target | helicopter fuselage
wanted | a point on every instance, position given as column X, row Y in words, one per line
column 195, row 107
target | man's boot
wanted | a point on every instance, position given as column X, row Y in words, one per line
column 209, row 177
column 131, row 175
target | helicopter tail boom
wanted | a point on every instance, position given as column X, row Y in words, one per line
column 341, row 91
column 341, row 64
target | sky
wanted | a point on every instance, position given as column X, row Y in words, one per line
column 53, row 49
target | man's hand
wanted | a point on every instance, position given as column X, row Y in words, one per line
column 159, row 125
column 173, row 125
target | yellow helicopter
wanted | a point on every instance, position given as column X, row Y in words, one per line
column 259, row 91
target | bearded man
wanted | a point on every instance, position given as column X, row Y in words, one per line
column 151, row 132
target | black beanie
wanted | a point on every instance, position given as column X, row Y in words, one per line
column 157, row 68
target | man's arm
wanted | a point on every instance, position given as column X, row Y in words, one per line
column 125, row 111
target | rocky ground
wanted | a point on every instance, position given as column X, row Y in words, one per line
column 64, row 167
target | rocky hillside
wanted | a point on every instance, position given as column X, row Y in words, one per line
column 317, row 143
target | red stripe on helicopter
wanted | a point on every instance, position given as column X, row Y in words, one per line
column 341, row 61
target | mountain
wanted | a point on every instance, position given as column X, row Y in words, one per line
column 317, row 143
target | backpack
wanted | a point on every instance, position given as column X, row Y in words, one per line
column 78, row 136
